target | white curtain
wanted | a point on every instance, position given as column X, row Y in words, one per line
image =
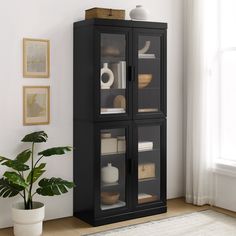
column 200, row 98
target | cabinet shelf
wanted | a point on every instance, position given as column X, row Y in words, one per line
column 113, row 90
column 112, row 59
column 147, row 180
column 103, row 185
column 149, row 88
column 112, row 154
column 116, row 205
column 149, row 150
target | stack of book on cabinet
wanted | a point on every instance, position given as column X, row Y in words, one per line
column 144, row 146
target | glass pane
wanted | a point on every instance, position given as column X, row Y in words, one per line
column 113, row 171
column 148, row 73
column 113, row 74
column 148, row 164
column 228, row 113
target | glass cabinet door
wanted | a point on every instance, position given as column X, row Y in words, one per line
column 149, row 163
column 113, row 76
column 113, row 168
column 149, row 56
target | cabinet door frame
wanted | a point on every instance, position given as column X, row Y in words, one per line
column 97, row 167
column 98, row 30
column 162, row 201
column 161, row 113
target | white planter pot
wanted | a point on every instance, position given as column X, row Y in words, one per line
column 28, row 222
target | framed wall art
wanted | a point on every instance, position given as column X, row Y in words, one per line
column 36, row 105
column 36, row 58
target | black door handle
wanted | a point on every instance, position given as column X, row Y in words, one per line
column 131, row 73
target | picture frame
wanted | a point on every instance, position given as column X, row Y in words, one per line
column 36, row 58
column 36, row 105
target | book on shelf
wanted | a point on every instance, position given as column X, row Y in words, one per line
column 112, row 110
column 119, row 71
column 146, row 56
column 148, row 145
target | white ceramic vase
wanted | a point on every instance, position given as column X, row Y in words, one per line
column 139, row 13
column 28, row 222
column 109, row 174
column 106, row 70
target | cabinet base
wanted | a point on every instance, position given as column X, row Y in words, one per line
column 119, row 217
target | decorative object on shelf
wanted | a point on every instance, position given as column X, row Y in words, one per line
column 139, row 13
column 144, row 80
column 109, row 174
column 36, row 105
column 28, row 215
column 145, row 48
column 36, row 58
column 108, row 145
column 145, row 198
column 147, row 110
column 121, row 144
column 143, row 146
column 109, row 198
column 112, row 110
column 142, row 52
column 105, row 70
column 146, row 171
column 110, row 51
column 105, row 13
column 119, row 71
column 119, row 101
column 105, row 135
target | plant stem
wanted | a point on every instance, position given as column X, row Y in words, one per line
column 30, row 202
column 24, row 196
column 37, row 161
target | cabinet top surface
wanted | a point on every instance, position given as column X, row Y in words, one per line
column 121, row 23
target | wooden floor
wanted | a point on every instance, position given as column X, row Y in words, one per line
column 74, row 227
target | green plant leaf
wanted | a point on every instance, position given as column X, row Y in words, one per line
column 24, row 156
column 37, row 172
column 16, row 165
column 55, row 151
column 3, row 160
column 8, row 189
column 15, row 178
column 36, row 137
column 53, row 186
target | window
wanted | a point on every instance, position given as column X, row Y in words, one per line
column 227, row 19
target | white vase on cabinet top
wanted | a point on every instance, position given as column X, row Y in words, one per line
column 139, row 13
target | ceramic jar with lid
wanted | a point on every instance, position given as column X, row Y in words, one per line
column 109, row 174
column 139, row 13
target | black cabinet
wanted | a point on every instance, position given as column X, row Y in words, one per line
column 119, row 119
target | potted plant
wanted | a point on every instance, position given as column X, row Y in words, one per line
column 28, row 215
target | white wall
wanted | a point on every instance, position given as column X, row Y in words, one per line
column 54, row 20
column 225, row 191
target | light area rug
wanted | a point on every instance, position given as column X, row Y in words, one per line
column 204, row 223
